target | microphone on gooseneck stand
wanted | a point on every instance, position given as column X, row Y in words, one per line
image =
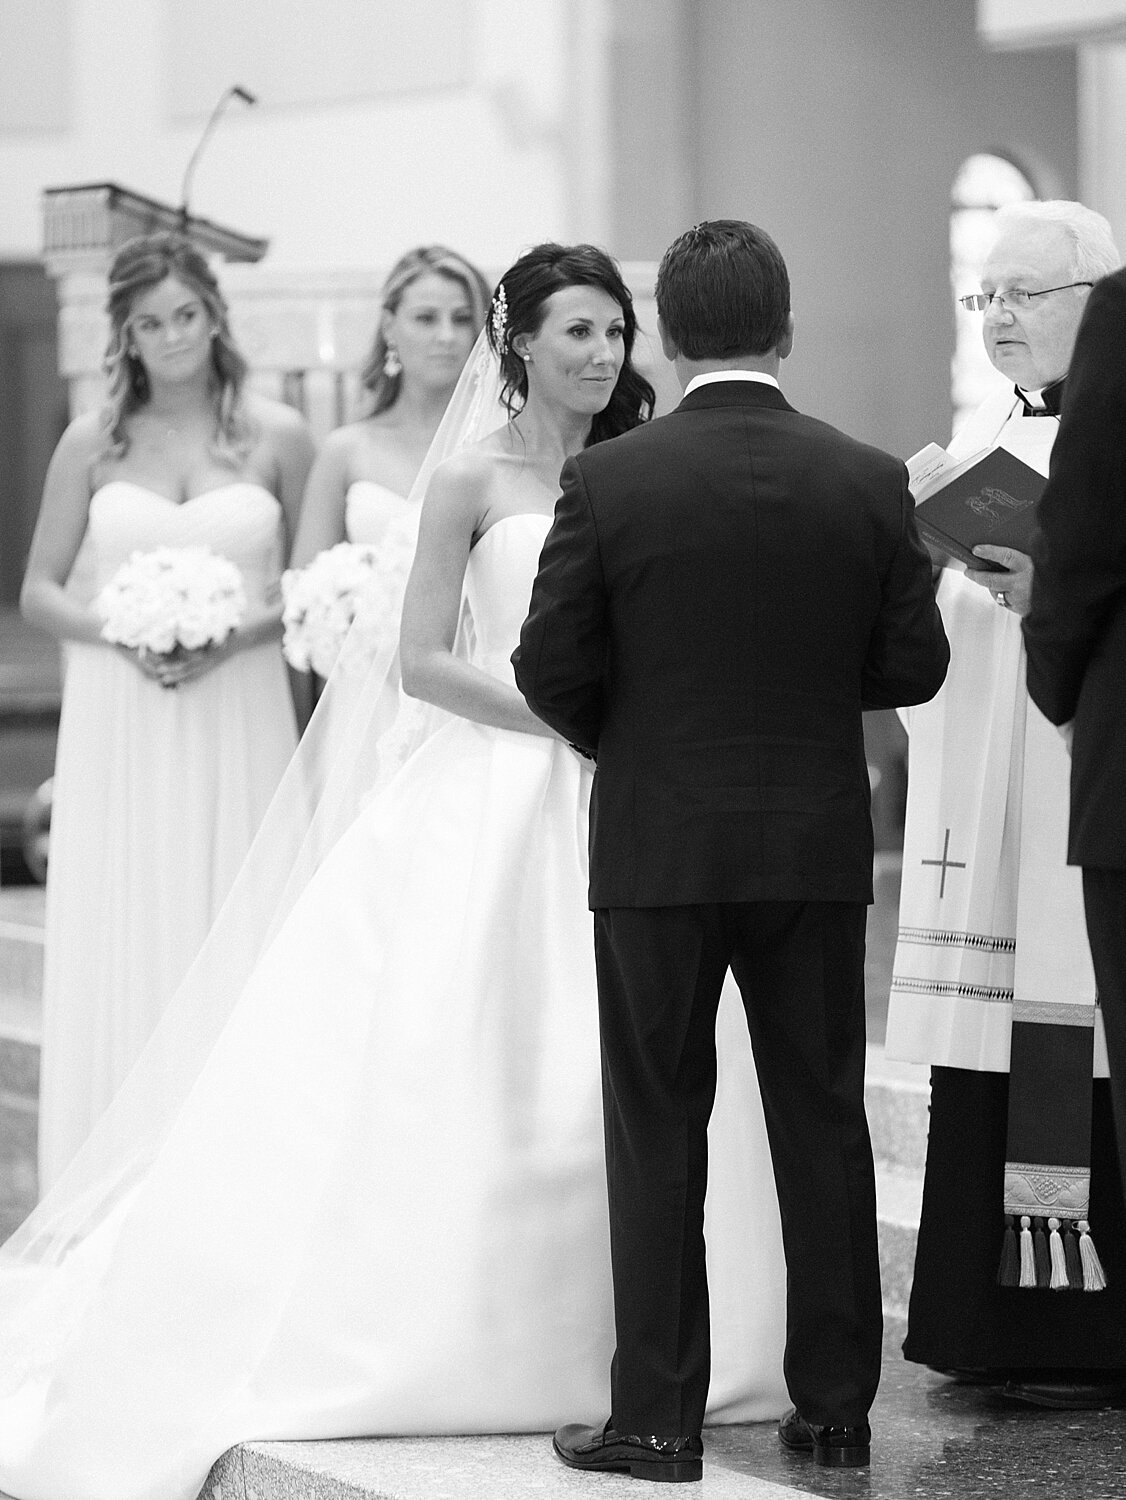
column 236, row 91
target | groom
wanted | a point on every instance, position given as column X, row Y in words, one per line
column 724, row 590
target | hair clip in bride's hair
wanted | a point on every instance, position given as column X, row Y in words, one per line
column 500, row 317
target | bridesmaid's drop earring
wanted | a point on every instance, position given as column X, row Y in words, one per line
column 392, row 365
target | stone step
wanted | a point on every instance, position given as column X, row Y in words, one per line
column 897, row 1098
column 19, row 1069
column 19, row 1111
column 21, row 985
column 899, row 1194
column 503, row 1467
column 18, row 1180
column 21, row 961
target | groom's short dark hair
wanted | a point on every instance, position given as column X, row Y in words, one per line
column 723, row 290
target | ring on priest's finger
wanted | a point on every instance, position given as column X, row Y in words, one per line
column 1003, row 600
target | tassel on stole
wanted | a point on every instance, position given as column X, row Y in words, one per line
column 1074, row 1263
column 1008, row 1272
column 1094, row 1277
column 1027, row 1257
column 1059, row 1282
column 1040, row 1252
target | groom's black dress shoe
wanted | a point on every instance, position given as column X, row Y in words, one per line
column 668, row 1460
column 836, row 1447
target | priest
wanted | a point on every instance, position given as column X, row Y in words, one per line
column 1020, row 1270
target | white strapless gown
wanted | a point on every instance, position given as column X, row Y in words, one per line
column 157, row 796
column 370, row 509
column 382, row 1209
column 371, row 512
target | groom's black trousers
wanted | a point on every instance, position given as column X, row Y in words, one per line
column 800, row 968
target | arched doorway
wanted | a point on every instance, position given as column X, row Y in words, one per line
column 985, row 182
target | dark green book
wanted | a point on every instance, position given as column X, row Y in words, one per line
column 989, row 499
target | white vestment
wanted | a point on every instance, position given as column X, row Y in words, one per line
column 990, row 912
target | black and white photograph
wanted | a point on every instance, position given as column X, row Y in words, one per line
column 562, row 749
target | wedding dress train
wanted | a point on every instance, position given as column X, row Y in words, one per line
column 382, row 1207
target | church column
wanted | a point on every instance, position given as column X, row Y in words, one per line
column 1102, row 132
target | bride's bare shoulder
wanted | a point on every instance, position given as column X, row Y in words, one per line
column 471, row 472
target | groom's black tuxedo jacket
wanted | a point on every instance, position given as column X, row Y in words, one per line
column 722, row 592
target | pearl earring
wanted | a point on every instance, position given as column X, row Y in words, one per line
column 392, row 365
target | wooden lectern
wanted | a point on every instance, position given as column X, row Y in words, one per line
column 84, row 226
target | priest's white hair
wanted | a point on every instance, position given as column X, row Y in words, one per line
column 1095, row 253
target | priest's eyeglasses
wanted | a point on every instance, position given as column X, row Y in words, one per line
column 1014, row 300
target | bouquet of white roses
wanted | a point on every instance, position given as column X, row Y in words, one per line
column 171, row 600
column 353, row 584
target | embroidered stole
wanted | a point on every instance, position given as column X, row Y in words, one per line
column 992, row 970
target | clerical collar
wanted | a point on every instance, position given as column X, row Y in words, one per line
column 1045, row 403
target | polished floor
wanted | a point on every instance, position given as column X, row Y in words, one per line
column 932, row 1438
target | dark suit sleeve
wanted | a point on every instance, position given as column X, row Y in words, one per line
column 908, row 652
column 560, row 662
column 1080, row 551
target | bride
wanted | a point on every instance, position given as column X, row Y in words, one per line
column 356, row 1186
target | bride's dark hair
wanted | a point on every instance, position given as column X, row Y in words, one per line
column 519, row 306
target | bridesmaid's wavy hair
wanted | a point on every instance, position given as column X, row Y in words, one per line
column 526, row 286
column 423, row 260
column 140, row 265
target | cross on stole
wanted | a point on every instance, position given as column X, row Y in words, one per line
column 947, row 864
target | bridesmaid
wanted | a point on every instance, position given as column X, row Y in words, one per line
column 434, row 304
column 157, row 793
